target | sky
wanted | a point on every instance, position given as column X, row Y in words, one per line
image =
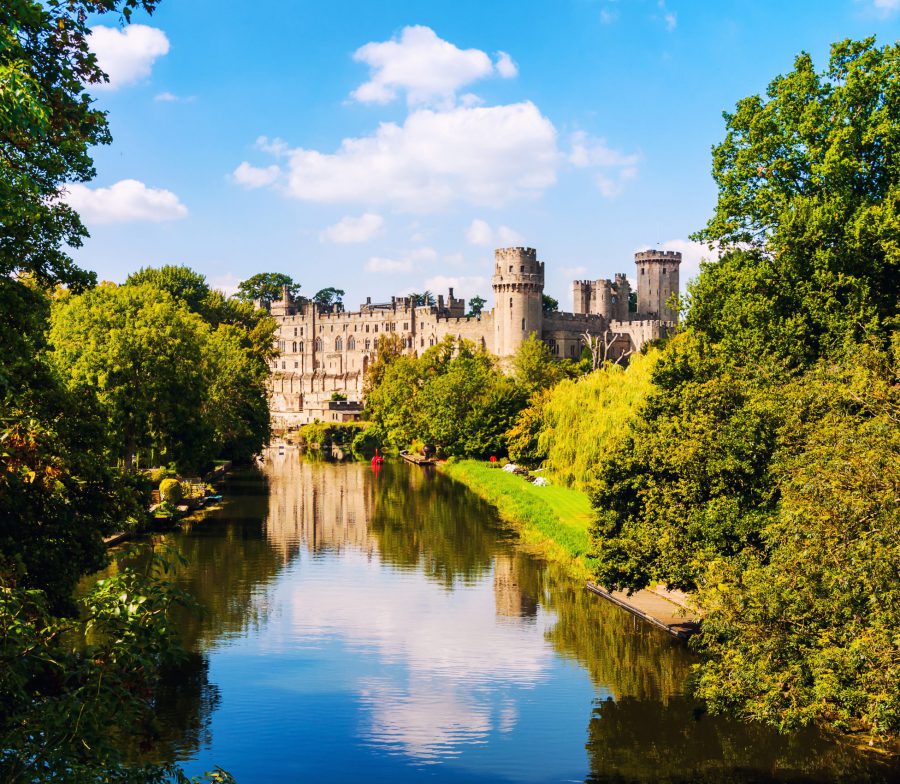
column 389, row 147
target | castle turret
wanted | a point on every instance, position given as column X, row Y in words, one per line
column 518, row 284
column 622, row 297
column 657, row 276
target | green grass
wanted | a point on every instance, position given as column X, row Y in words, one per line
column 554, row 520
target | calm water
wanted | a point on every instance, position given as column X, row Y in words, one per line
column 387, row 628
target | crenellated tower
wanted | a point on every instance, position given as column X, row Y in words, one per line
column 518, row 284
column 657, row 280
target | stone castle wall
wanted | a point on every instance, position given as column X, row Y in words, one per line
column 320, row 353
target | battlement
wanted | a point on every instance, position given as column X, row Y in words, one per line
column 514, row 255
column 657, row 255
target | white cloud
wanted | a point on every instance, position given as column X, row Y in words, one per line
column 608, row 16
column 407, row 262
column 350, row 229
column 227, row 283
column 126, row 200
column 423, row 66
column 886, row 7
column 480, row 155
column 126, row 55
column 506, row 67
column 167, row 97
column 481, row 233
column 617, row 167
column 255, row 177
column 671, row 21
column 463, row 286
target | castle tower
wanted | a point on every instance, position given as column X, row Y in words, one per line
column 518, row 284
column 581, row 296
column 623, row 295
column 657, row 280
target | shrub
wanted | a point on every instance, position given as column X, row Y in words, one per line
column 170, row 490
column 366, row 442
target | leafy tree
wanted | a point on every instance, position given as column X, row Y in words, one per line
column 141, row 352
column 808, row 188
column 266, row 287
column 534, row 367
column 476, row 305
column 182, row 284
column 425, row 298
column 632, row 302
column 330, row 299
column 47, row 127
column 548, row 304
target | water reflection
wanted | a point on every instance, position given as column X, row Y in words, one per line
column 388, row 624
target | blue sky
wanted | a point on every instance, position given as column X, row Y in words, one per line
column 388, row 147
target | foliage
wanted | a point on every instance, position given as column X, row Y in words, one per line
column 533, row 366
column 170, row 490
column 46, row 669
column 761, row 471
column 340, row 433
column 451, row 396
column 809, row 188
column 580, row 422
column 548, row 304
column 425, row 298
column 366, row 441
column 266, row 287
column 141, row 352
column 338, row 397
column 523, row 437
column 330, row 299
column 476, row 305
column 47, row 127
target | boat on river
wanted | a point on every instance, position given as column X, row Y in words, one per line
column 415, row 459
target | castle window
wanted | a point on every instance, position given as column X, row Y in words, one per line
column 405, row 326
column 283, row 365
column 522, row 268
column 643, row 270
column 281, row 346
column 296, row 365
column 367, row 327
column 375, row 328
column 664, row 270
column 301, row 332
column 301, row 346
column 351, row 343
column 338, row 344
column 295, row 332
column 510, row 301
column 321, row 327
column 422, row 343
column 368, row 344
column 295, row 346
column 523, row 325
column 332, row 327
column 318, row 344
column 510, row 267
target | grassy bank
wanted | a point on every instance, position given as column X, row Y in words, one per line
column 551, row 520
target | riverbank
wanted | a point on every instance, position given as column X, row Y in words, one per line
column 555, row 522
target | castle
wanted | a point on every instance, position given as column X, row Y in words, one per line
column 326, row 351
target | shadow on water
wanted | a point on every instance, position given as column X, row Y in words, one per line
column 637, row 725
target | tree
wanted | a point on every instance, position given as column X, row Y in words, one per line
column 47, row 127
column 182, row 283
column 534, row 367
column 329, row 299
column 425, row 298
column 476, row 305
column 807, row 211
column 141, row 352
column 266, row 287
column 548, row 304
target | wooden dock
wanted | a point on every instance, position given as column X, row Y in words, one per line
column 652, row 606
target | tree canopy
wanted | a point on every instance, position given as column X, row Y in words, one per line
column 266, row 287
column 330, row 298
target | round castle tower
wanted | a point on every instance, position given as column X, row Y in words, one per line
column 657, row 280
column 518, row 284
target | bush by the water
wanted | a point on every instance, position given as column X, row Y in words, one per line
column 171, row 491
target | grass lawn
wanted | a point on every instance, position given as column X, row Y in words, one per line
column 552, row 519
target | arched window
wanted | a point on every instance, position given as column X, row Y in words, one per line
column 301, row 346
column 351, row 343
column 281, row 346
column 368, row 344
column 338, row 344
column 295, row 346
column 510, row 301
column 318, row 344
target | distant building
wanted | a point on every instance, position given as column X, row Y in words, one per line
column 324, row 351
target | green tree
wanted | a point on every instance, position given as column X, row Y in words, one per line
column 476, row 305
column 425, row 298
column 548, row 304
column 142, row 353
column 47, row 127
column 181, row 282
column 266, row 287
column 534, row 367
column 330, row 299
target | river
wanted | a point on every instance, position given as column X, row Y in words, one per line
column 388, row 628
